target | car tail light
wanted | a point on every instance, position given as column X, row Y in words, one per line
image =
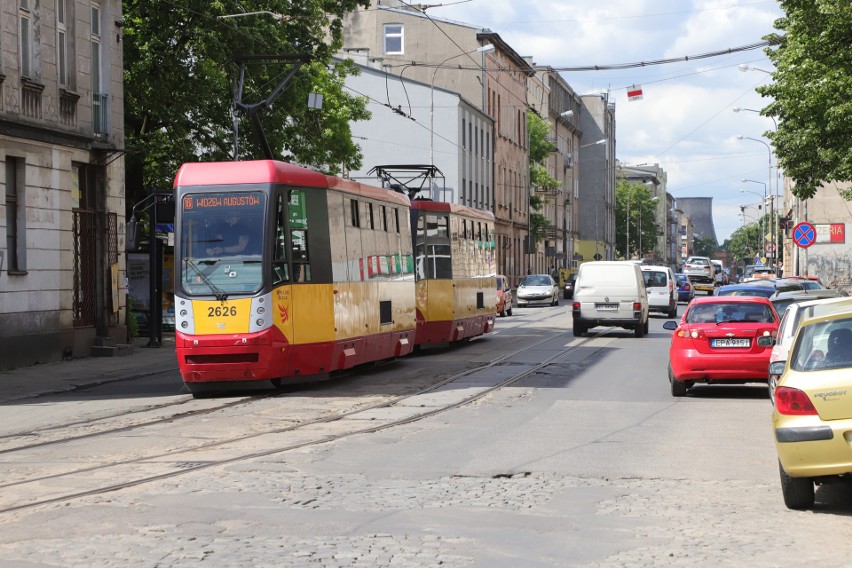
column 575, row 306
column 793, row 402
column 691, row 333
column 686, row 286
column 637, row 306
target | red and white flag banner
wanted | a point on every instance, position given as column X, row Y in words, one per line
column 634, row 93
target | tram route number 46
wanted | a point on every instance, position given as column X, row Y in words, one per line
column 221, row 311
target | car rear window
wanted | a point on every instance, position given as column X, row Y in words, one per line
column 654, row 278
column 730, row 312
column 823, row 345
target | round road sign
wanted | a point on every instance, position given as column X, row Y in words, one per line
column 769, row 247
column 804, row 235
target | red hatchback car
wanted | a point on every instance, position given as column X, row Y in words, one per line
column 716, row 342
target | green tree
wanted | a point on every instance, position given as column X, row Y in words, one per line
column 633, row 200
column 812, row 92
column 540, row 181
column 704, row 246
column 179, row 83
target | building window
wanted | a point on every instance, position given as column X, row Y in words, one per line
column 16, row 257
column 61, row 44
column 394, row 37
column 26, row 35
column 99, row 97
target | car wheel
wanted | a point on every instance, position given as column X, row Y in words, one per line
column 647, row 326
column 639, row 330
column 798, row 491
column 679, row 388
column 579, row 330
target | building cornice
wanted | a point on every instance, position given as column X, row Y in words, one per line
column 36, row 133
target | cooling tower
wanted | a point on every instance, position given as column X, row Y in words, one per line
column 700, row 211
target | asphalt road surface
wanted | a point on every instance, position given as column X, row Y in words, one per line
column 550, row 451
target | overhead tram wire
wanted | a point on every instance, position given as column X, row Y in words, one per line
column 638, row 64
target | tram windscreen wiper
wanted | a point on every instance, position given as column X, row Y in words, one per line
column 217, row 292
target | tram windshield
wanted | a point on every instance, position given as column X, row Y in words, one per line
column 221, row 243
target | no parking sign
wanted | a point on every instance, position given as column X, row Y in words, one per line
column 804, row 234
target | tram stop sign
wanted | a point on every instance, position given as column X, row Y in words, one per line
column 804, row 234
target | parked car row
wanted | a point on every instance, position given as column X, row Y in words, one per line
column 804, row 356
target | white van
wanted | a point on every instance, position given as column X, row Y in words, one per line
column 610, row 293
column 662, row 289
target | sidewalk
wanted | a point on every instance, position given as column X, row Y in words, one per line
column 63, row 376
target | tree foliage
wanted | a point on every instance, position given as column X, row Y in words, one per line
column 633, row 201
column 704, row 246
column 540, row 148
column 180, row 80
column 812, row 92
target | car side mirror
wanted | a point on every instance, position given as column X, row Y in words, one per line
column 776, row 367
column 766, row 341
column 670, row 325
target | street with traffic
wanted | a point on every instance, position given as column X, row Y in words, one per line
column 527, row 446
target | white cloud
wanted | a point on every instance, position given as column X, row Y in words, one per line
column 685, row 121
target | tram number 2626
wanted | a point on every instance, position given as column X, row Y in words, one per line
column 221, row 311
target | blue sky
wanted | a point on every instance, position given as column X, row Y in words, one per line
column 685, row 122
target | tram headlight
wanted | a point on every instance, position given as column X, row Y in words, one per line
column 261, row 310
column 183, row 313
column 259, row 322
column 184, row 324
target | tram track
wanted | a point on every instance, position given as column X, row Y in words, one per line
column 50, row 488
column 105, row 428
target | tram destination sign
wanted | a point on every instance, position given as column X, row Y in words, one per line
column 201, row 201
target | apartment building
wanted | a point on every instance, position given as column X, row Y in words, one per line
column 61, row 151
column 459, row 58
column 830, row 255
column 406, row 115
column 596, row 192
column 552, row 98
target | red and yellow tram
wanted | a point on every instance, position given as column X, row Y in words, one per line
column 455, row 271
column 284, row 274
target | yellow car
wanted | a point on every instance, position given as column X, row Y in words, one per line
column 812, row 416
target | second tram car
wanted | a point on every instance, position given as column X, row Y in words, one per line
column 455, row 271
column 283, row 274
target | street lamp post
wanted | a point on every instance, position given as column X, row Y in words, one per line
column 760, row 225
column 741, row 109
column 772, row 229
column 482, row 50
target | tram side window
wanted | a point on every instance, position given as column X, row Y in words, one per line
column 280, row 269
column 354, row 214
column 436, row 237
column 299, row 236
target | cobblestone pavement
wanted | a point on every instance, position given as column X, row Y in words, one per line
column 277, row 517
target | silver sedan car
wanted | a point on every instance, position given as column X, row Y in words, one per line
column 537, row 289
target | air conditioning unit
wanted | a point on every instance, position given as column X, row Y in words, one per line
column 568, row 160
